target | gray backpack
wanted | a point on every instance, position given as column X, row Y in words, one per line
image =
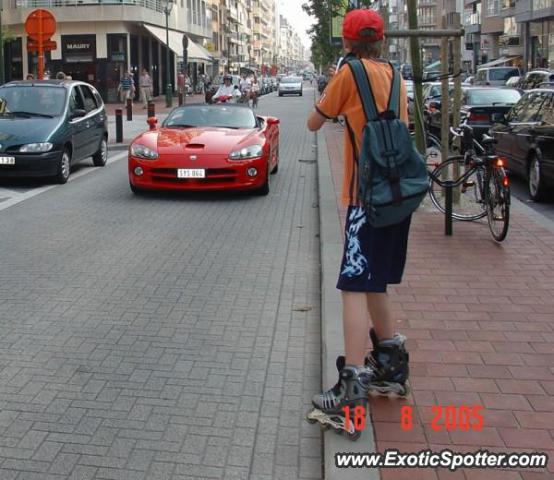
column 392, row 175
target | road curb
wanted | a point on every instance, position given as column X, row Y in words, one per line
column 332, row 345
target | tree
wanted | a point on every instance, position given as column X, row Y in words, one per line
column 323, row 52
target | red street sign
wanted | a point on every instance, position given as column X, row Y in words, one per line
column 40, row 25
column 48, row 45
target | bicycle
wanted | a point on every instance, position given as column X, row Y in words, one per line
column 480, row 183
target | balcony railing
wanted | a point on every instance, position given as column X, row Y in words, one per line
column 157, row 5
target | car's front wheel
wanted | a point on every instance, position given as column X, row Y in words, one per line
column 100, row 158
column 264, row 189
column 135, row 190
column 535, row 182
column 64, row 167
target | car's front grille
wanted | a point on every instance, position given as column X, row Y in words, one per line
column 213, row 175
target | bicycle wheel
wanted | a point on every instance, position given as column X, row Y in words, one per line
column 468, row 201
column 497, row 198
column 432, row 148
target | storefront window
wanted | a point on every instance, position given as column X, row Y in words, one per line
column 492, row 8
column 511, row 27
column 117, row 63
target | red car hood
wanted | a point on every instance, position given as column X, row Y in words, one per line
column 206, row 140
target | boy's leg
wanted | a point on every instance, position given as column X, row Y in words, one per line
column 355, row 321
column 380, row 311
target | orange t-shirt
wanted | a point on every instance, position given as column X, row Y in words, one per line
column 341, row 98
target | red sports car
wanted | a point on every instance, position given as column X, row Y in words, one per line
column 207, row 147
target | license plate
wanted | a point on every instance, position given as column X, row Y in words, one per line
column 7, row 160
column 191, row 173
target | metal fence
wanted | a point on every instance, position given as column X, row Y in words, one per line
column 157, row 5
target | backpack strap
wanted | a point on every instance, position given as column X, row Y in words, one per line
column 394, row 97
column 364, row 88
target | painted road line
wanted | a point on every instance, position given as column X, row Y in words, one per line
column 14, row 198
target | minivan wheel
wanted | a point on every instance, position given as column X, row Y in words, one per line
column 535, row 183
column 100, row 158
column 64, row 167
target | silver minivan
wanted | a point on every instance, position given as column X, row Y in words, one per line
column 495, row 76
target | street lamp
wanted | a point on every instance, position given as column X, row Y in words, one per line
column 168, row 89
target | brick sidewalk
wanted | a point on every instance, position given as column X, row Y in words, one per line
column 480, row 322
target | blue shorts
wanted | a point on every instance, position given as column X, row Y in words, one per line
column 373, row 257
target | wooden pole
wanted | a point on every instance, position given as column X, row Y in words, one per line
column 445, row 103
column 418, row 74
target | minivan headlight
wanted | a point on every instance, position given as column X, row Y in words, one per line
column 36, row 147
column 142, row 151
column 252, row 151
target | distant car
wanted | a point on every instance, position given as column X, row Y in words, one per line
column 468, row 81
column 290, row 85
column 47, row 126
column 526, row 137
column 513, row 82
column 410, row 94
column 478, row 105
column 534, row 78
column 495, row 76
column 206, row 147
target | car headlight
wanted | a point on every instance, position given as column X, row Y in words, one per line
column 142, row 151
column 252, row 151
column 36, row 147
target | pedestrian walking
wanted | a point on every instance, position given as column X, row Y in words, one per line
column 145, row 85
column 126, row 87
column 255, row 92
column 375, row 358
column 29, row 76
column 60, row 76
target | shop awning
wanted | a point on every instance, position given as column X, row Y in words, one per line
column 499, row 61
column 195, row 51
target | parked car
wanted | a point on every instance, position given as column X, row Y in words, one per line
column 468, row 81
column 477, row 107
column 47, row 126
column 526, row 137
column 206, row 147
column 290, row 85
column 513, row 82
column 495, row 76
column 534, row 78
column 432, row 93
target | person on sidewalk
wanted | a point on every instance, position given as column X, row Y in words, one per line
column 255, row 91
column 225, row 91
column 373, row 257
column 126, row 87
column 145, row 85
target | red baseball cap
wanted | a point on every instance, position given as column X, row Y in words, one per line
column 357, row 21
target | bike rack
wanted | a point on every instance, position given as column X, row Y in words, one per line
column 448, row 185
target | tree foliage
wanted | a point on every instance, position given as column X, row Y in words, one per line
column 323, row 52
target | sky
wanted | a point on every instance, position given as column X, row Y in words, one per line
column 300, row 20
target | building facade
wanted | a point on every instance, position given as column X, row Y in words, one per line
column 98, row 40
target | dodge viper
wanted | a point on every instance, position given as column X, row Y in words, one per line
column 206, row 147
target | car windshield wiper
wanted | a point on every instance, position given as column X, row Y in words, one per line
column 181, row 125
column 32, row 114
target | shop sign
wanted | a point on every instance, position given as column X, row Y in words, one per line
column 78, row 48
column 117, row 57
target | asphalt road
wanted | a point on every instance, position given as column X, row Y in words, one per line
column 520, row 191
column 162, row 336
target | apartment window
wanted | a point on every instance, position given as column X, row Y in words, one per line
column 508, row 4
column 540, row 4
column 511, row 27
column 189, row 11
column 493, row 8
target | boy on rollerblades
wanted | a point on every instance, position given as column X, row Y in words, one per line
column 373, row 257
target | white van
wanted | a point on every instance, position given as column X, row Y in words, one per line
column 495, row 76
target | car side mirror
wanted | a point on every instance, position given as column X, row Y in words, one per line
column 499, row 118
column 272, row 121
column 152, row 122
column 78, row 113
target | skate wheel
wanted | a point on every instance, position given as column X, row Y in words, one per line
column 354, row 436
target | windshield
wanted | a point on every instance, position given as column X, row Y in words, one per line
column 492, row 96
column 211, row 116
column 291, row 80
column 33, row 99
column 503, row 73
